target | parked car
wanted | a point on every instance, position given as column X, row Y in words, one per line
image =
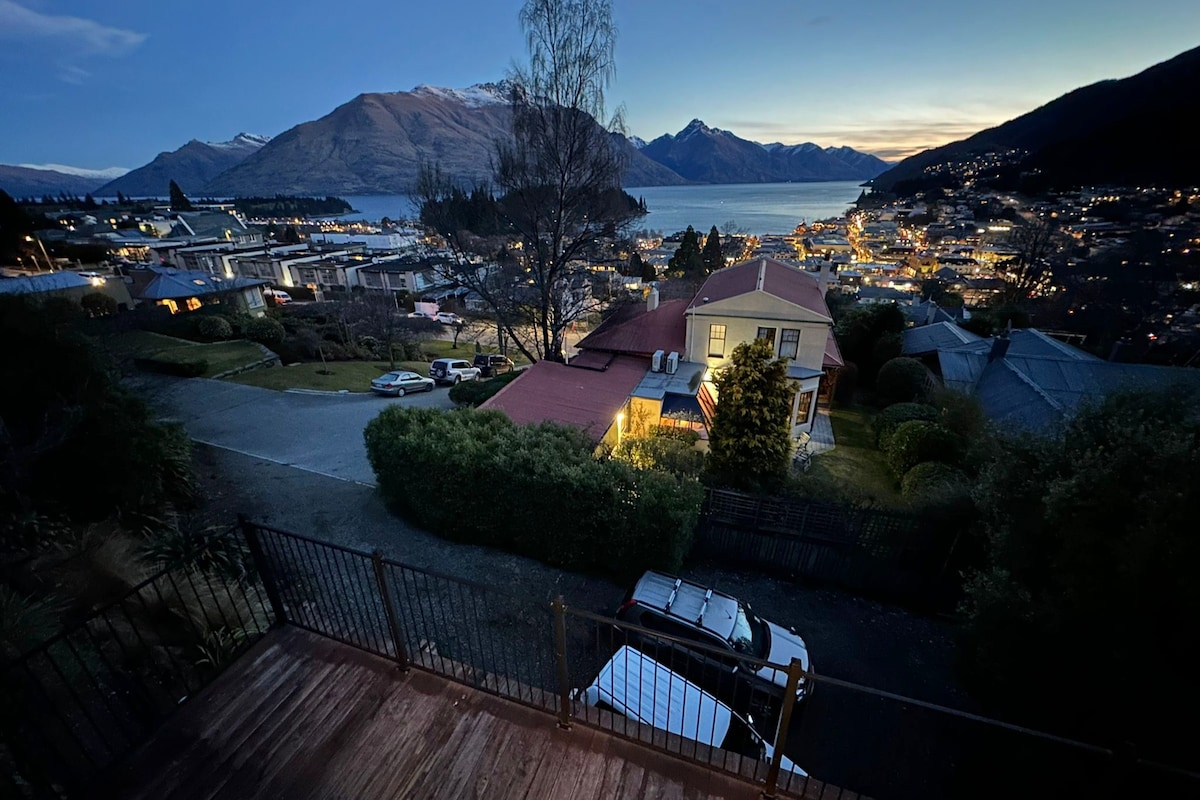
column 636, row 686
column 419, row 315
column 694, row 613
column 452, row 370
column 492, row 364
column 448, row 318
column 401, row 383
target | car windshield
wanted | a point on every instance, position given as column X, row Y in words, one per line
column 747, row 636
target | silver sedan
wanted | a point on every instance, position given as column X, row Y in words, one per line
column 401, row 383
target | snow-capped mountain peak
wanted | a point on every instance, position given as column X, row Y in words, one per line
column 481, row 94
column 242, row 140
column 636, row 141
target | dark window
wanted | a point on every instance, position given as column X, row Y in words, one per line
column 767, row 335
column 716, row 341
column 789, row 345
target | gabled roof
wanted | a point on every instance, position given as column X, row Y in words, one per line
column 177, row 284
column 571, row 395
column 210, row 223
column 833, row 353
column 766, row 275
column 45, row 282
column 938, row 336
column 1029, row 342
column 635, row 331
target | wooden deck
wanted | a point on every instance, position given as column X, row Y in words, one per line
column 300, row 716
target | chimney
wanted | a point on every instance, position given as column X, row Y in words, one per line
column 999, row 347
column 931, row 312
column 825, row 277
column 652, row 299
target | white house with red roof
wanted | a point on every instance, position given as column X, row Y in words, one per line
column 678, row 346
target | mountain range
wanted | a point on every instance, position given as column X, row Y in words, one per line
column 376, row 144
column 1132, row 131
column 192, row 166
column 36, row 181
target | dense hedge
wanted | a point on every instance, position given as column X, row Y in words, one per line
column 902, row 380
column 917, row 441
column 264, row 330
column 474, row 476
column 894, row 416
column 930, row 480
column 214, row 329
column 474, row 393
column 183, row 369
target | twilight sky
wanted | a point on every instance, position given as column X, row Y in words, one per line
column 112, row 84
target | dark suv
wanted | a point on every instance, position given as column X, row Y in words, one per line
column 493, row 364
column 677, row 607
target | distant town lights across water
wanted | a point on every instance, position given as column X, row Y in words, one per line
column 756, row 208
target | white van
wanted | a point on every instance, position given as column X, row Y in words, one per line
column 637, row 686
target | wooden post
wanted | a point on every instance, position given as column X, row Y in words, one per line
column 250, row 532
column 560, row 656
column 794, row 673
column 389, row 611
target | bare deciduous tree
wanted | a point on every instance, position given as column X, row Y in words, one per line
column 1038, row 245
column 558, row 176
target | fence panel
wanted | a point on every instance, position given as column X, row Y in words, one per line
column 81, row 701
column 885, row 553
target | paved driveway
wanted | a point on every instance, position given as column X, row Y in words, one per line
column 315, row 432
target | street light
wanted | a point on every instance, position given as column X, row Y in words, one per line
column 49, row 263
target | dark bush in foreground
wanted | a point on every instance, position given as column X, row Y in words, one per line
column 892, row 417
column 902, row 380
column 475, row 393
column 916, row 442
column 214, row 329
column 182, row 369
column 474, row 476
column 265, row 330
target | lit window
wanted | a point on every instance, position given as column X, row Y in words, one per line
column 767, row 335
column 802, row 413
column 716, row 341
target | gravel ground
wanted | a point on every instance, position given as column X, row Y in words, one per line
column 865, row 743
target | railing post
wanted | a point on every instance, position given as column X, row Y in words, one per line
column 250, row 532
column 389, row 610
column 560, row 656
column 794, row 673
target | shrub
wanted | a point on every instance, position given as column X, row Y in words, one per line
column 214, row 329
column 902, row 380
column 475, row 393
column 847, row 384
column 928, row 480
column 97, row 304
column 568, row 508
column 673, row 454
column 264, row 330
column 893, row 416
column 193, row 368
column 917, row 441
column 960, row 412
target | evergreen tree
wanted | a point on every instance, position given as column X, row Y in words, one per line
column 750, row 444
column 89, row 201
column 635, row 266
column 713, row 258
column 649, row 273
column 179, row 201
column 687, row 261
column 121, row 199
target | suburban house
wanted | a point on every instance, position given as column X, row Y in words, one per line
column 189, row 290
column 652, row 365
column 1026, row 380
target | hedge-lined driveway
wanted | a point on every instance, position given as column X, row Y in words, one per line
column 320, row 433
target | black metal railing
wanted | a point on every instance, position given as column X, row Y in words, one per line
column 78, row 703
column 105, row 684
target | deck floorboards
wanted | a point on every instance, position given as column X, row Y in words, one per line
column 300, row 716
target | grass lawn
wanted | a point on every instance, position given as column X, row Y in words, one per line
column 443, row 348
column 855, row 463
column 221, row 356
column 354, row 376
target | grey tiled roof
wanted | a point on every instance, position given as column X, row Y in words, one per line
column 46, row 282
column 938, row 336
column 174, row 284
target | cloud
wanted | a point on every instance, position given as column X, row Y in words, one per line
column 69, row 39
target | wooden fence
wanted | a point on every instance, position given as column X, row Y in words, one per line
column 889, row 554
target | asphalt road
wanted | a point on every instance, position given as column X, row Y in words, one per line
column 321, row 433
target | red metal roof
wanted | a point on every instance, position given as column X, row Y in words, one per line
column 833, row 353
column 639, row 332
column 585, row 398
column 767, row 275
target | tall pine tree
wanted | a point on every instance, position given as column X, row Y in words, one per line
column 712, row 256
column 687, row 262
column 179, row 201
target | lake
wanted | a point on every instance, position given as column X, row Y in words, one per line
column 756, row 208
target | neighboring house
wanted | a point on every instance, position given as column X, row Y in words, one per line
column 926, row 312
column 660, row 358
column 927, row 340
column 185, row 290
column 1028, row 381
column 65, row 284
